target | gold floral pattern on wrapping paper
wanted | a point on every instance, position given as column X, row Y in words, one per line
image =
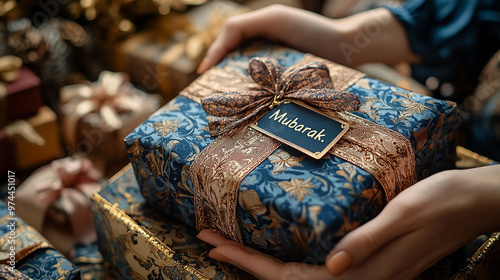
column 302, row 236
column 165, row 127
column 251, row 202
column 135, row 150
column 297, row 188
column 282, row 160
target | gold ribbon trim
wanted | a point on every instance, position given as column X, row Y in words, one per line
column 387, row 155
column 219, row 168
column 217, row 173
column 26, row 242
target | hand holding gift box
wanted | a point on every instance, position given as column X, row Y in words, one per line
column 390, row 44
column 268, row 195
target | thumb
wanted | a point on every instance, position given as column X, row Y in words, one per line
column 364, row 241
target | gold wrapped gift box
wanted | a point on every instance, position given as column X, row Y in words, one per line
column 163, row 57
column 136, row 241
column 33, row 141
column 139, row 243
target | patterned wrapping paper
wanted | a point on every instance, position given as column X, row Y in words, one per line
column 127, row 225
column 138, row 242
column 35, row 257
column 290, row 205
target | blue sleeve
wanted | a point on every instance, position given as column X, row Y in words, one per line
column 450, row 34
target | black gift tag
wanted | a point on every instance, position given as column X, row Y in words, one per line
column 302, row 127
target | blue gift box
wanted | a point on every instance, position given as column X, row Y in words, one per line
column 26, row 254
column 290, row 205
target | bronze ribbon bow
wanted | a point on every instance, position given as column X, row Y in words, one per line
column 9, row 71
column 221, row 166
column 310, row 84
column 109, row 96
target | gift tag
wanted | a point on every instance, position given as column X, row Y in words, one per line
column 302, row 127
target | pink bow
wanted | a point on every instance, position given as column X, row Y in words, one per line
column 310, row 84
column 68, row 182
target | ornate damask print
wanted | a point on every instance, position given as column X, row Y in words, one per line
column 297, row 188
column 282, row 160
column 35, row 257
column 165, row 127
column 135, row 150
column 251, row 202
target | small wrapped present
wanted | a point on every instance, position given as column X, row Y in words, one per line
column 25, row 253
column 20, row 92
column 33, row 141
column 55, row 201
column 255, row 189
column 97, row 116
column 163, row 58
column 137, row 242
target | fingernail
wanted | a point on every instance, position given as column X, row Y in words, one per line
column 339, row 263
column 218, row 256
column 203, row 65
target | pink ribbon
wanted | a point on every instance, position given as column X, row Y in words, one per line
column 309, row 83
column 69, row 181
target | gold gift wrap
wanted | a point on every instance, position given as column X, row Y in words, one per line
column 34, row 141
column 163, row 58
column 139, row 243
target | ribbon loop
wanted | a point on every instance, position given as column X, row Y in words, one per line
column 309, row 83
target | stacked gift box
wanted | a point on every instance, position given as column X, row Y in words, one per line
column 79, row 77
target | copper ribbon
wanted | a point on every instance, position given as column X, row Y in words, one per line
column 386, row 154
column 309, row 83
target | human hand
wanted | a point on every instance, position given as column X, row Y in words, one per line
column 257, row 263
column 415, row 230
column 297, row 28
column 358, row 39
